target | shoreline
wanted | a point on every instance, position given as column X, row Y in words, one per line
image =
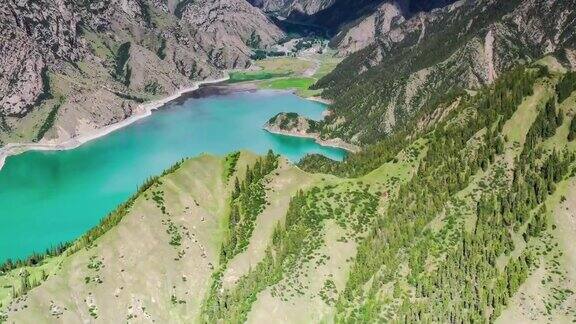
column 335, row 142
column 318, row 99
column 146, row 110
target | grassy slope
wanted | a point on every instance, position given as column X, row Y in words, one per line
column 543, row 297
column 286, row 182
column 133, row 270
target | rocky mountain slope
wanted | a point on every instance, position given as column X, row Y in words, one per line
column 401, row 62
column 71, row 66
column 335, row 15
column 285, row 7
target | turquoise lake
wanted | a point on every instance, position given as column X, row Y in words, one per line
column 52, row 197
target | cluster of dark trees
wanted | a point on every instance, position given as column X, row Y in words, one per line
column 247, row 202
column 122, row 71
column 566, row 86
column 231, row 161
column 357, row 164
column 4, row 124
column 544, row 126
column 50, row 119
column 572, row 130
column 161, row 51
column 262, row 54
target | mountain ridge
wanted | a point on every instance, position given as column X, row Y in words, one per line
column 407, row 65
column 376, row 245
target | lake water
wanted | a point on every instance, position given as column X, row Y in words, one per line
column 52, row 197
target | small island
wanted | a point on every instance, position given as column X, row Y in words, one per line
column 292, row 124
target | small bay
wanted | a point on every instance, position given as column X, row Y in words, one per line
column 50, row 197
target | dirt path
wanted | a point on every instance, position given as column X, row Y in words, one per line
column 311, row 71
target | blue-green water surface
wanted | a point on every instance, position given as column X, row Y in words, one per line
column 52, row 197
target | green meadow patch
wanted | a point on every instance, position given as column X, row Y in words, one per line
column 236, row 77
column 289, row 83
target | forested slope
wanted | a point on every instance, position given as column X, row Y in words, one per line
column 484, row 209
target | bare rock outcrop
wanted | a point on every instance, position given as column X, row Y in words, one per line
column 285, row 7
column 33, row 34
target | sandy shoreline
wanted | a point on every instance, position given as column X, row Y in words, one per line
column 146, row 110
column 335, row 142
column 320, row 100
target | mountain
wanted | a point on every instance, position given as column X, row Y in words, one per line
column 398, row 64
column 458, row 208
column 285, row 7
column 69, row 67
column 335, row 15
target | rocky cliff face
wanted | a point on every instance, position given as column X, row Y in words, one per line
column 285, row 7
column 401, row 61
column 364, row 31
column 334, row 16
column 32, row 36
column 96, row 61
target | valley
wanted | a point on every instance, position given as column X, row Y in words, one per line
column 318, row 250
column 374, row 161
